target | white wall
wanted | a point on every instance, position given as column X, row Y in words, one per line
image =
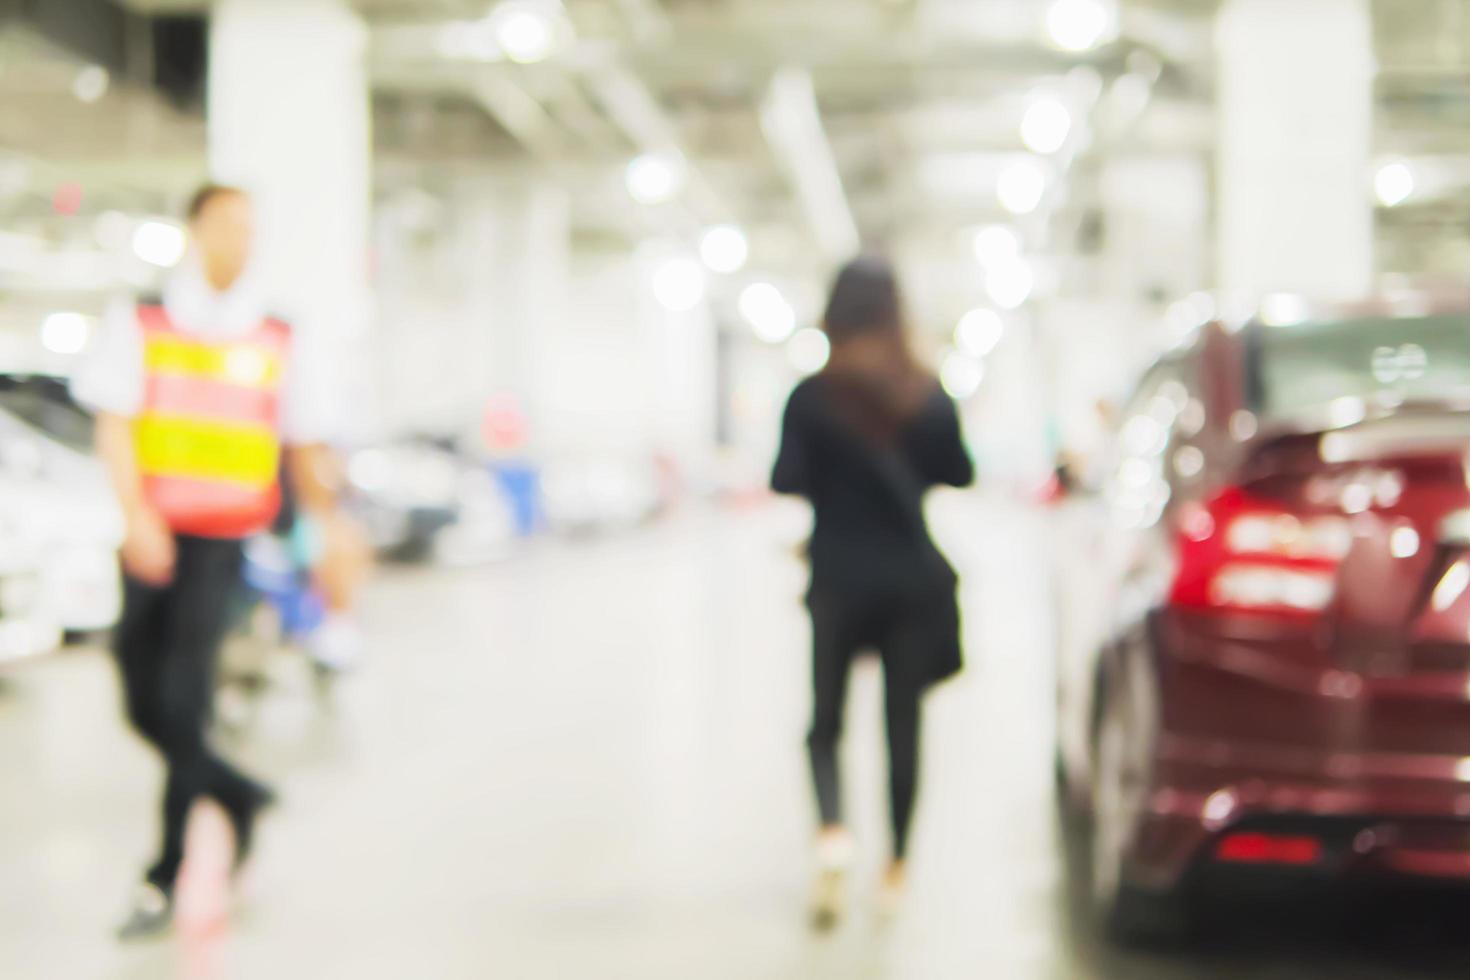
column 490, row 295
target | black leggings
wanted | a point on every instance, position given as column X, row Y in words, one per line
column 840, row 631
column 167, row 645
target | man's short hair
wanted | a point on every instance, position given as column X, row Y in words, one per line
column 204, row 195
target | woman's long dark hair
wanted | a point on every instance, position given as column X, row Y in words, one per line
column 877, row 383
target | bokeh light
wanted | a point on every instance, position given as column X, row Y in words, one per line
column 1021, row 186
column 808, row 350
column 979, row 332
column 678, row 284
column 724, row 249
column 768, row 312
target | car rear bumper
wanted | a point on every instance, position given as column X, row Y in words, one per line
column 1378, row 772
column 1385, row 824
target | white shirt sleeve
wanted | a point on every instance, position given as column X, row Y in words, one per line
column 311, row 395
column 110, row 376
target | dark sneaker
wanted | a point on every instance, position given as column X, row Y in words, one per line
column 150, row 914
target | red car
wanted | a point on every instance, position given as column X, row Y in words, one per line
column 1274, row 674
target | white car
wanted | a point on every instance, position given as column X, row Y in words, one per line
column 587, row 495
column 60, row 525
column 422, row 501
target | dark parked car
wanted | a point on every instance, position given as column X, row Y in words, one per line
column 1277, row 676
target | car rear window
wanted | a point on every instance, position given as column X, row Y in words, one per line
column 45, row 404
column 1303, row 369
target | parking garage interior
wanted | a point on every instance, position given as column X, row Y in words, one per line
column 570, row 258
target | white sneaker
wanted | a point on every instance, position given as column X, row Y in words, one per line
column 835, row 852
column 829, row 900
column 891, row 891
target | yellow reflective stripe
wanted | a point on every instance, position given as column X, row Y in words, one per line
column 248, row 455
column 248, row 365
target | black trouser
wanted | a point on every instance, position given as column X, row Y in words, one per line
column 841, row 628
column 167, row 645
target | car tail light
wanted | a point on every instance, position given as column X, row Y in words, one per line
column 1250, row 848
column 1238, row 552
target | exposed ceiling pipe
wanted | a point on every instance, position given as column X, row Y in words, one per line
column 622, row 97
column 647, row 19
column 792, row 123
column 634, row 110
column 520, row 114
column 1183, row 40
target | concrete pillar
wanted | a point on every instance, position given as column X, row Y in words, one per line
column 1154, row 208
column 1296, row 104
column 288, row 117
column 680, row 360
column 538, row 252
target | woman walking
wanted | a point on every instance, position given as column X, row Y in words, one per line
column 863, row 441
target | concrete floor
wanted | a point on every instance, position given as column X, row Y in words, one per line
column 587, row 763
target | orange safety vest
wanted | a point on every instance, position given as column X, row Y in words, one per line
column 208, row 438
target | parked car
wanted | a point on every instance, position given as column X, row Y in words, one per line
column 587, row 495
column 1277, row 676
column 27, row 627
column 422, row 500
column 59, row 522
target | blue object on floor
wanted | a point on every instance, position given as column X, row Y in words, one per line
column 521, row 482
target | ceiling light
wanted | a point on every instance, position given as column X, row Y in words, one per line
column 159, row 243
column 91, row 83
column 655, row 178
column 1394, row 184
column 995, row 244
column 524, row 32
column 1021, row 186
column 1010, row 284
column 724, row 248
column 979, row 331
column 65, row 333
column 678, row 284
column 767, row 312
column 808, row 350
column 961, row 375
column 1046, row 125
column 1079, row 25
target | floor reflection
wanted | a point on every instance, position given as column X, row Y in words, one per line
column 587, row 763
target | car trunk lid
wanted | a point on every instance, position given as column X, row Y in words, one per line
column 1401, row 605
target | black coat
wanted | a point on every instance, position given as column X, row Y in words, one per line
column 870, row 542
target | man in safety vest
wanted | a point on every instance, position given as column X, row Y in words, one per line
column 198, row 396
